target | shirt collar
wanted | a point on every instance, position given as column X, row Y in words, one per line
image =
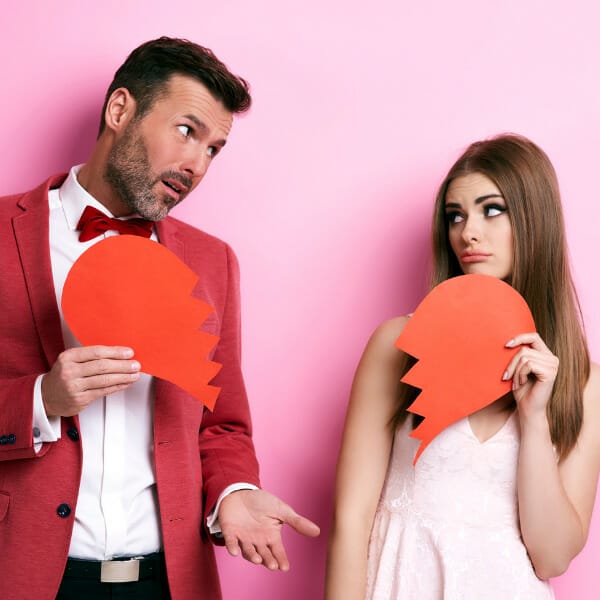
column 74, row 198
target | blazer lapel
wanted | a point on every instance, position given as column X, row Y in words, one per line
column 32, row 238
column 168, row 236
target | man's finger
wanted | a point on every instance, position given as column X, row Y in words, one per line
column 249, row 553
column 98, row 382
column 280, row 556
column 299, row 523
column 231, row 543
column 267, row 557
column 110, row 390
column 86, row 353
column 108, row 365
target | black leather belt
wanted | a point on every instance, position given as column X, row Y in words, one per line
column 118, row 570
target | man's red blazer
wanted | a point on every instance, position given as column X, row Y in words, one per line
column 197, row 453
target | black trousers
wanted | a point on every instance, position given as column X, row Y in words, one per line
column 81, row 581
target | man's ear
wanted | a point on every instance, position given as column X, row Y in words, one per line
column 120, row 109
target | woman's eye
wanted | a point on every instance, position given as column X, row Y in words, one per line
column 185, row 130
column 494, row 210
column 453, row 217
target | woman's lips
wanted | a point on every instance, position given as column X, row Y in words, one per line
column 474, row 257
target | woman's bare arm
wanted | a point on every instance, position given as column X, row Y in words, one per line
column 363, row 461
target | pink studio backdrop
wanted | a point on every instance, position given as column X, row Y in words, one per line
column 325, row 189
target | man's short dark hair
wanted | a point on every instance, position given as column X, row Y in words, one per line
column 147, row 71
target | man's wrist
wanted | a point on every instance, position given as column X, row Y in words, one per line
column 212, row 520
column 44, row 428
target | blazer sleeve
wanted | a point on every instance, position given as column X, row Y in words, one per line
column 22, row 356
column 16, row 418
column 225, row 439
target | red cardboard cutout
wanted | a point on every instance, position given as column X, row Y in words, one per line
column 131, row 291
column 458, row 334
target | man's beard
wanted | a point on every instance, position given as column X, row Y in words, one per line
column 129, row 173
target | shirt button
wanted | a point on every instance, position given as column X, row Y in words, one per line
column 36, row 432
column 73, row 434
column 63, row 510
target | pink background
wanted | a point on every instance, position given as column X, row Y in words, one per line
column 326, row 187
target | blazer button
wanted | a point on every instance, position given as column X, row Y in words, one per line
column 73, row 434
column 12, row 438
column 63, row 510
column 3, row 440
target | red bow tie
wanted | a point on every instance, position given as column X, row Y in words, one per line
column 94, row 223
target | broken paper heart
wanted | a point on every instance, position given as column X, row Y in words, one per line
column 458, row 335
column 131, row 291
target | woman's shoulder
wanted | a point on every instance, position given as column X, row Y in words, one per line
column 595, row 371
column 389, row 331
column 382, row 342
column 592, row 387
column 591, row 398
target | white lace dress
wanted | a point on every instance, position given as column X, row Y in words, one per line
column 448, row 529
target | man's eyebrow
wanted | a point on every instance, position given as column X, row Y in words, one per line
column 478, row 200
column 196, row 121
column 202, row 126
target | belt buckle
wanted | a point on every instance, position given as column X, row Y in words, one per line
column 120, row 571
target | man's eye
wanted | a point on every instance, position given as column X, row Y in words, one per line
column 493, row 210
column 185, row 130
column 212, row 151
column 453, row 217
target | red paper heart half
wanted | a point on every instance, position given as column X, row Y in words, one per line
column 458, row 335
column 131, row 291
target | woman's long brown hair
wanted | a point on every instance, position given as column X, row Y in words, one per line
column 541, row 274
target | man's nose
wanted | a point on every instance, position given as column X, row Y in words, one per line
column 196, row 162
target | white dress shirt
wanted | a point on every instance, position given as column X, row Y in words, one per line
column 117, row 507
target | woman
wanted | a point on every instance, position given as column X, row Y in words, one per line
column 501, row 501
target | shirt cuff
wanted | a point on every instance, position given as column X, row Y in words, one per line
column 45, row 429
column 212, row 521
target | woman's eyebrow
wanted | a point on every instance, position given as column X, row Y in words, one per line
column 486, row 197
column 478, row 200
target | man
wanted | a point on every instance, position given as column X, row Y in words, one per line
column 99, row 462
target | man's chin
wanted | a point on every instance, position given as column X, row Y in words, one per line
column 157, row 212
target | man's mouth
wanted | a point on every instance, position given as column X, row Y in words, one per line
column 176, row 186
